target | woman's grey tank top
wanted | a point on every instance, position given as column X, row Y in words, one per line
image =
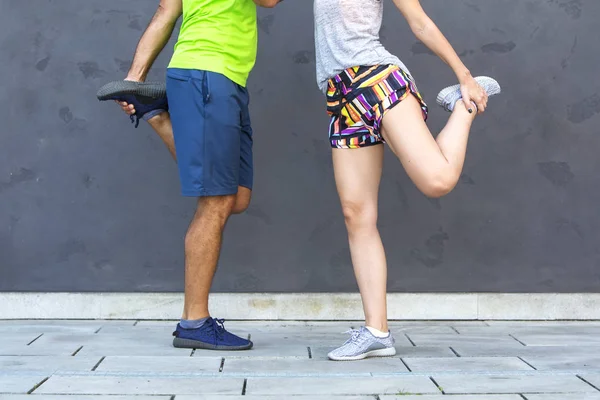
column 347, row 35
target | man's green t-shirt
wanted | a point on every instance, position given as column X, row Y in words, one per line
column 218, row 36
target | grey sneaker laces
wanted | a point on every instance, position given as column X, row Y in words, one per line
column 355, row 336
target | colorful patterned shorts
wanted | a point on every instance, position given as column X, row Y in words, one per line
column 359, row 97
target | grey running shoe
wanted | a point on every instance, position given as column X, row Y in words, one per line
column 363, row 344
column 450, row 95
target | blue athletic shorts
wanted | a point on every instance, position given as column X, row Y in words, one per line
column 213, row 137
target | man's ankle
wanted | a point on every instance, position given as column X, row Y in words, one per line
column 195, row 314
column 193, row 323
column 157, row 117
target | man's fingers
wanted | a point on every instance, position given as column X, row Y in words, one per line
column 129, row 109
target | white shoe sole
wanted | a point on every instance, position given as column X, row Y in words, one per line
column 485, row 81
column 387, row 352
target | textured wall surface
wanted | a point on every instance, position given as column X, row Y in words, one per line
column 88, row 203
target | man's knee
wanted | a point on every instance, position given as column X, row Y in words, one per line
column 242, row 200
column 211, row 216
column 240, row 206
column 216, row 207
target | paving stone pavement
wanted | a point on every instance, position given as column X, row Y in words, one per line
column 462, row 360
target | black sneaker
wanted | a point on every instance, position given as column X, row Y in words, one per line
column 148, row 98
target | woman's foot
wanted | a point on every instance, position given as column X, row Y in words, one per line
column 363, row 344
column 449, row 96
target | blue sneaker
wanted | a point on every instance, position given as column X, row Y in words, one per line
column 210, row 336
column 148, row 98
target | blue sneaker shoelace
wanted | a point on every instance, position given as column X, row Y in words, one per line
column 213, row 326
column 218, row 327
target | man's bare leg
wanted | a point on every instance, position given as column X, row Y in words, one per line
column 202, row 249
column 162, row 126
column 203, row 240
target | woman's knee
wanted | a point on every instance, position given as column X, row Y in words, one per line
column 439, row 184
column 359, row 215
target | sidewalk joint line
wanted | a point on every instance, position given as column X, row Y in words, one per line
column 38, row 385
column 309, row 352
column 244, row 387
column 522, row 359
column 589, row 383
column 455, row 330
column 99, row 329
column 441, row 389
column 410, row 340
column 510, row 334
column 98, row 364
column 222, row 364
column 76, row 351
column 455, row 352
column 406, row 365
column 35, row 339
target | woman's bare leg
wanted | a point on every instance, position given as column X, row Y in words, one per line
column 357, row 176
column 434, row 165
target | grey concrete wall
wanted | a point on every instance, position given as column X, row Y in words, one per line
column 87, row 203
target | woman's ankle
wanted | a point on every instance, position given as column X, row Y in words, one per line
column 381, row 326
column 459, row 107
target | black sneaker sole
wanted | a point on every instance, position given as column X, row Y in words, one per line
column 152, row 90
column 196, row 344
